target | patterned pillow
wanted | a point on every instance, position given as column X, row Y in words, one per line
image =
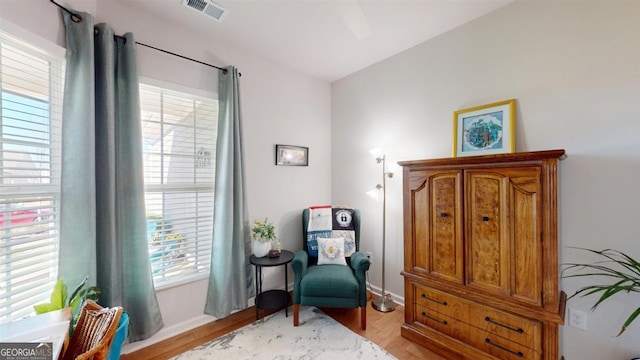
column 331, row 251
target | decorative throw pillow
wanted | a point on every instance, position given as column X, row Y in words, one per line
column 331, row 251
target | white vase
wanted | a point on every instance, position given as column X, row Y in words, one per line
column 260, row 248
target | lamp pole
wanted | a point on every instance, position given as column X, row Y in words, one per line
column 384, row 303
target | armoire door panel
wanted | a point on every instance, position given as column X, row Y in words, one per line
column 446, row 227
column 525, row 237
column 487, row 246
column 420, row 210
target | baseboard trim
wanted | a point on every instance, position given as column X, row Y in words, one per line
column 168, row 332
column 176, row 329
column 399, row 300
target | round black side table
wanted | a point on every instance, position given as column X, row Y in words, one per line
column 272, row 299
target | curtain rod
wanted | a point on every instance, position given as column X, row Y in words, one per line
column 77, row 18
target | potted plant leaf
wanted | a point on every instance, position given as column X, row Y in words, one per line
column 620, row 273
column 59, row 298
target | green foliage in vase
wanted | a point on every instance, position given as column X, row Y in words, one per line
column 622, row 271
column 263, row 230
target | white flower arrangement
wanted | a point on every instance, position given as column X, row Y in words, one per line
column 263, row 231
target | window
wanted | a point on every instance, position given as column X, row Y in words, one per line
column 179, row 139
column 31, row 82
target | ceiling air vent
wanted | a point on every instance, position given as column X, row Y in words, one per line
column 206, row 7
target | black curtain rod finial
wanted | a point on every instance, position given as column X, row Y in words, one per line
column 74, row 17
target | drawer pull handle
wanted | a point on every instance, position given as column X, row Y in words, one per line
column 443, row 303
column 485, row 218
column 516, row 353
column 489, row 320
column 443, row 322
column 443, row 214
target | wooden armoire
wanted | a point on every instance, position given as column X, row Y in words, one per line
column 481, row 256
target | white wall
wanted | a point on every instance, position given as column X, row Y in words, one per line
column 279, row 106
column 574, row 68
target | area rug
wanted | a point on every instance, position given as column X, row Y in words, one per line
column 318, row 337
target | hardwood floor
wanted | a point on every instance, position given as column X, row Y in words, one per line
column 382, row 329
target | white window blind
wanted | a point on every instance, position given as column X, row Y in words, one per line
column 31, row 109
column 179, row 139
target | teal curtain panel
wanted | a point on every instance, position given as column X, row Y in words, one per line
column 231, row 278
column 103, row 225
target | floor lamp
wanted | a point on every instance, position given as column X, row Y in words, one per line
column 384, row 303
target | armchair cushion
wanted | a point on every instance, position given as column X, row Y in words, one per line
column 329, row 281
column 331, row 251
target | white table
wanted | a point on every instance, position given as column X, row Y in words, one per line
column 50, row 327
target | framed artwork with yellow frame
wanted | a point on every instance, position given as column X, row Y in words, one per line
column 485, row 130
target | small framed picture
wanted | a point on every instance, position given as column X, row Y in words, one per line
column 291, row 155
column 485, row 130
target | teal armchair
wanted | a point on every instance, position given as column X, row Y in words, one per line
column 332, row 286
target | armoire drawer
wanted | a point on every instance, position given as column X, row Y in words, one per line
column 485, row 341
column 440, row 302
column 443, row 323
column 502, row 348
column 520, row 330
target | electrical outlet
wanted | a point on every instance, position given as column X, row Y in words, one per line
column 370, row 257
column 578, row 319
